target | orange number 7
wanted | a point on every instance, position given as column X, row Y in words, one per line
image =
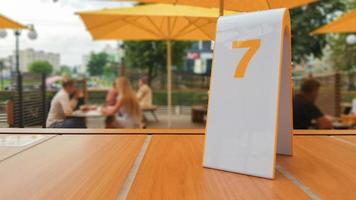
column 253, row 46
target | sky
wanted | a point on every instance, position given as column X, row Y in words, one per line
column 59, row 29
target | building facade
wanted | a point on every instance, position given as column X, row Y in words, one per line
column 199, row 58
column 28, row 56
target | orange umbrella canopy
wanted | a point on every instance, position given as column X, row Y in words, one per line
column 236, row 5
column 345, row 24
column 152, row 22
column 7, row 23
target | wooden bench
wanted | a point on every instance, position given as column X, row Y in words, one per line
column 199, row 113
column 151, row 109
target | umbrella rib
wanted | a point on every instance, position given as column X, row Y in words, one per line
column 198, row 27
column 174, row 24
column 155, row 25
column 103, row 24
column 185, row 28
column 268, row 4
column 141, row 27
column 108, row 23
column 161, row 25
column 168, row 27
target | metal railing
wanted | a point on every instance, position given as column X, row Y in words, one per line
column 29, row 100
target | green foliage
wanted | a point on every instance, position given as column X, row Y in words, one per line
column 151, row 56
column 343, row 55
column 97, row 63
column 184, row 98
column 65, row 70
column 40, row 67
column 308, row 18
column 111, row 70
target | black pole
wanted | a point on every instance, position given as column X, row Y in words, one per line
column 44, row 103
column 20, row 100
column 17, row 51
column 2, row 75
column 19, row 80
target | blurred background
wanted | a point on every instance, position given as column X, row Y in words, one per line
column 63, row 48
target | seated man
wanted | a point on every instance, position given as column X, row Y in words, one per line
column 62, row 107
column 304, row 109
column 144, row 93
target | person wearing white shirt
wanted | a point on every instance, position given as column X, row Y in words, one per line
column 62, row 107
column 144, row 93
column 353, row 107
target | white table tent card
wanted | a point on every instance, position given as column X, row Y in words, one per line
column 250, row 106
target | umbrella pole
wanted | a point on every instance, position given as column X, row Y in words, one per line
column 169, row 82
column 221, row 8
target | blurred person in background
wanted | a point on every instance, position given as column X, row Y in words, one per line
column 111, row 96
column 304, row 109
column 144, row 93
column 62, row 106
column 126, row 113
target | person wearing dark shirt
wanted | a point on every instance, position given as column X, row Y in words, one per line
column 305, row 110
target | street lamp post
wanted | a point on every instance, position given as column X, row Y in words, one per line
column 17, row 51
column 32, row 34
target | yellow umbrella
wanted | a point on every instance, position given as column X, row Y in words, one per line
column 6, row 23
column 153, row 22
column 345, row 24
column 237, row 5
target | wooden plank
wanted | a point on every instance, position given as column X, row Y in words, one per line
column 351, row 139
column 325, row 165
column 324, row 132
column 70, row 167
column 172, row 169
column 103, row 131
column 163, row 131
column 11, row 145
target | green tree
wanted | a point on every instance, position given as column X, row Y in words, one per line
column 343, row 54
column 308, row 18
column 97, row 63
column 111, row 70
column 40, row 67
column 151, row 56
column 65, row 70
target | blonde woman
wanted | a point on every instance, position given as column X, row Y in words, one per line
column 126, row 113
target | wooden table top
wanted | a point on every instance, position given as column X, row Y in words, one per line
column 70, row 167
column 324, row 164
column 51, row 131
column 89, row 113
column 97, row 167
column 172, row 169
column 11, row 145
column 157, row 131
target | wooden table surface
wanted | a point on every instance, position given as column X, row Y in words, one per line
column 159, row 131
column 51, row 131
column 172, row 169
column 325, row 164
column 11, row 145
column 99, row 167
column 70, row 167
